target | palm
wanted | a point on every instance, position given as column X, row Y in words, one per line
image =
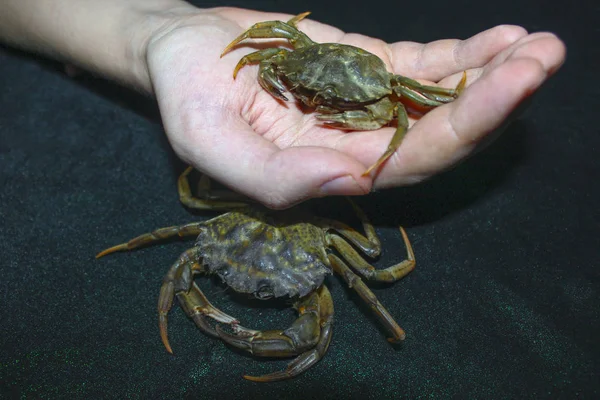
column 278, row 153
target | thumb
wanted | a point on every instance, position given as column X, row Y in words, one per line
column 278, row 178
column 295, row 174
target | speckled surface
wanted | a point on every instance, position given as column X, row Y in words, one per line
column 503, row 302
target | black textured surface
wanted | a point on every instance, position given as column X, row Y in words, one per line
column 503, row 302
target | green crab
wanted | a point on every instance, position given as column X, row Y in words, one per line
column 268, row 254
column 349, row 87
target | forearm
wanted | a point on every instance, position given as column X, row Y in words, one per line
column 107, row 37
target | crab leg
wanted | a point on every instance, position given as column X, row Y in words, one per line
column 191, row 229
column 389, row 274
column 401, row 129
column 369, row 297
column 274, row 29
column 267, row 77
column 309, row 336
column 258, row 56
column 438, row 95
column 428, row 96
column 179, row 281
column 376, row 116
column 370, row 244
column 209, row 200
column 294, row 21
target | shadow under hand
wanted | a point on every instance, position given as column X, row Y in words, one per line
column 452, row 190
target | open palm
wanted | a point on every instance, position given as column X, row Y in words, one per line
column 279, row 154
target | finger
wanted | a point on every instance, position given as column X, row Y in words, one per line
column 449, row 133
column 492, row 98
column 454, row 131
column 548, row 49
column 236, row 156
column 436, row 60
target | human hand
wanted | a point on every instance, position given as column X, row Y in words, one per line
column 280, row 155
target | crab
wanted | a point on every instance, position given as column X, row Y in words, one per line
column 349, row 87
column 270, row 254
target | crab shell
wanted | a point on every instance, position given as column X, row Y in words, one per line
column 257, row 254
column 335, row 75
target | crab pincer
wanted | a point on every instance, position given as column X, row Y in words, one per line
column 308, row 337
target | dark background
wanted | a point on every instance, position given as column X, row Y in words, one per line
column 503, row 303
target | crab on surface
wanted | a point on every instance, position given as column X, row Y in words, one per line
column 349, row 87
column 270, row 254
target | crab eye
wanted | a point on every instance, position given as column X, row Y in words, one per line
column 329, row 91
column 324, row 96
column 264, row 293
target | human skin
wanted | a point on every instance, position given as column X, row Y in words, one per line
column 237, row 133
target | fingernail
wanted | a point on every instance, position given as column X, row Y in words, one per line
column 344, row 185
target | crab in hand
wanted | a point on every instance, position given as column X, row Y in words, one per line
column 269, row 254
column 349, row 87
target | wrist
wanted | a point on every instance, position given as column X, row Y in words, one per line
column 108, row 38
column 145, row 26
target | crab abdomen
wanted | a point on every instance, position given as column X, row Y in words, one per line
column 355, row 75
column 253, row 255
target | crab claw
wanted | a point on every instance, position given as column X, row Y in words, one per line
column 274, row 343
column 179, row 282
column 298, row 365
column 308, row 337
